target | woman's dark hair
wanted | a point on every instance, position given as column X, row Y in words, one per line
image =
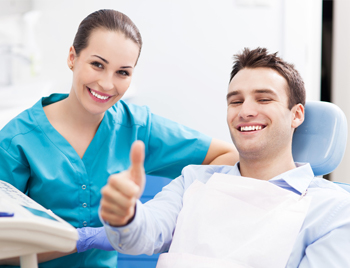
column 108, row 19
column 260, row 57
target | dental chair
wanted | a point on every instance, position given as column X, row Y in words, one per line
column 320, row 140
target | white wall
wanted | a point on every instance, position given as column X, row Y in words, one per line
column 186, row 59
column 341, row 75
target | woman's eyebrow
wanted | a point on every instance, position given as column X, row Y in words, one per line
column 104, row 60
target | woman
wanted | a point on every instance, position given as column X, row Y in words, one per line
column 63, row 149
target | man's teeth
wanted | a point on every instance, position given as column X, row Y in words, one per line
column 250, row 128
column 98, row 95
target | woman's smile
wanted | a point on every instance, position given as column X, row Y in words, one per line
column 98, row 96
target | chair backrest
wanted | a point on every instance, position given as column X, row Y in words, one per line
column 321, row 139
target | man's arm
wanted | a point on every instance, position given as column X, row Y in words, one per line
column 134, row 228
column 221, row 153
column 332, row 249
column 151, row 229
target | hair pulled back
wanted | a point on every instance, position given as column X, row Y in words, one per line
column 108, row 19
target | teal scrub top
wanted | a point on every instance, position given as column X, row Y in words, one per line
column 37, row 160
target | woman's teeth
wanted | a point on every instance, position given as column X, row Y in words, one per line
column 250, row 128
column 98, row 95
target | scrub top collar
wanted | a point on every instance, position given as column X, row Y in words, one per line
column 59, row 141
column 296, row 180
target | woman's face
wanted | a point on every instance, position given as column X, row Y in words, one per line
column 103, row 70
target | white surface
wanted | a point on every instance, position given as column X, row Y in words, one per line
column 9, row 7
column 239, row 237
column 28, row 234
column 16, row 98
column 341, row 76
column 302, row 39
column 185, row 63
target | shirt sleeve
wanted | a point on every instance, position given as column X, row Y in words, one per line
column 332, row 249
column 151, row 230
column 172, row 146
column 13, row 171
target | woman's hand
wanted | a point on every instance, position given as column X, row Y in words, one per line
column 90, row 237
column 123, row 189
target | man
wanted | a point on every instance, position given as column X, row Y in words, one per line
column 266, row 211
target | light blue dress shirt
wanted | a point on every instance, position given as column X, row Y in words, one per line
column 40, row 162
column 323, row 241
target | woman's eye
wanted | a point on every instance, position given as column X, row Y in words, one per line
column 124, row 73
column 97, row 64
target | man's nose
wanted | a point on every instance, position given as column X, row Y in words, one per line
column 248, row 109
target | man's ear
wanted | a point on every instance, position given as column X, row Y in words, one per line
column 298, row 115
column 71, row 57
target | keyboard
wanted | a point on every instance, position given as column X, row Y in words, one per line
column 10, row 192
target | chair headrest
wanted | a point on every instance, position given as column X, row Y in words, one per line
column 321, row 139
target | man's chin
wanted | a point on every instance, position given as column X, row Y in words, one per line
column 251, row 153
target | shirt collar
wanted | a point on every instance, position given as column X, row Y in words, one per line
column 298, row 178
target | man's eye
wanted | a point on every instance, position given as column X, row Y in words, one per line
column 264, row 100
column 97, row 64
column 124, row 73
column 236, row 102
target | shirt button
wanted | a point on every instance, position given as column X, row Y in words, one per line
column 83, row 187
column 84, row 205
column 120, row 245
column 84, row 223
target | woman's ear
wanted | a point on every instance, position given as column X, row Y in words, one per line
column 298, row 115
column 71, row 57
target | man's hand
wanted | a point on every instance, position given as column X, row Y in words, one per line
column 123, row 189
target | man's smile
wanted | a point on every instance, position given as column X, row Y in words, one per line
column 250, row 128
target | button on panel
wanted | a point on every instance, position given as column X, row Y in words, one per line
column 83, row 187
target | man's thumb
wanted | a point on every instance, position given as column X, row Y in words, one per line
column 137, row 157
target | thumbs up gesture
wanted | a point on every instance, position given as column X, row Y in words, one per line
column 123, row 189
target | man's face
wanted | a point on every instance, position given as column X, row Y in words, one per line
column 260, row 123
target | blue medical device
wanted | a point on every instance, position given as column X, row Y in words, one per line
column 320, row 140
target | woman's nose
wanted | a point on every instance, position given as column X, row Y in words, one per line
column 106, row 82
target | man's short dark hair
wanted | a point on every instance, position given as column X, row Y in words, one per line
column 260, row 57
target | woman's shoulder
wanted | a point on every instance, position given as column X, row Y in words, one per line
column 28, row 119
column 22, row 124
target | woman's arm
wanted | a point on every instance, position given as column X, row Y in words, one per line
column 221, row 153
